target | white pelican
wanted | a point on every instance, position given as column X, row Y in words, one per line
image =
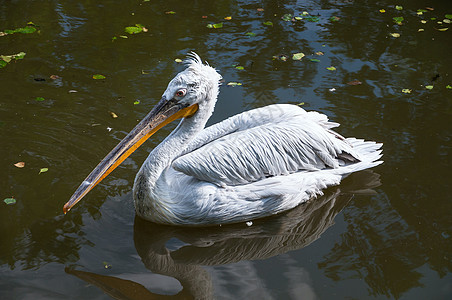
column 254, row 164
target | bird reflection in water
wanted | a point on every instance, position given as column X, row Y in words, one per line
column 213, row 246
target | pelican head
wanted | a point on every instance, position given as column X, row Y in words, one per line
column 192, row 90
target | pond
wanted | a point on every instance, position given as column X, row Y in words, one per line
column 380, row 69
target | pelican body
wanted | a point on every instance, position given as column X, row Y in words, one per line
column 254, row 164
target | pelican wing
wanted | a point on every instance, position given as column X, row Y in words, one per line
column 269, row 141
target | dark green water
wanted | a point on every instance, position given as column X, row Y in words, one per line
column 394, row 242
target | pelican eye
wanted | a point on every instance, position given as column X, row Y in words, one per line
column 181, row 93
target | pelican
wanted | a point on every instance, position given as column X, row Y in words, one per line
column 252, row 165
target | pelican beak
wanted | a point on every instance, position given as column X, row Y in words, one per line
column 163, row 113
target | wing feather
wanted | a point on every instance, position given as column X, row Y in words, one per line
column 270, row 141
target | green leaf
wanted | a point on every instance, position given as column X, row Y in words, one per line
column 136, row 102
column 334, row 19
column 406, row 91
column 39, row 99
column 315, row 60
column 9, row 201
column 98, row 76
column 399, row 7
column 287, row 17
column 27, row 29
column 331, row 68
column 250, row 34
column 297, row 56
column 448, row 16
column 449, row 87
column 422, row 10
column 298, row 18
column 398, row 20
column 429, row 87
column 218, row 25
column 134, row 29
column 312, row 19
column 43, row 170
column 2, row 63
column 268, row 23
column 240, row 68
column 178, row 60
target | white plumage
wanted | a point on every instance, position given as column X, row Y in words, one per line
column 258, row 163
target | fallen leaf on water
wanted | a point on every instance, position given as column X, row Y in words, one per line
column 43, row 170
column 429, row 87
column 430, row 8
column 449, row 87
column 218, row 25
column 395, row 34
column 420, row 29
column 72, row 91
column 260, row 9
column 98, row 76
column 170, row 12
column 234, row 84
column 240, row 68
column 354, row 82
column 297, row 56
column 250, row 34
column 287, row 17
column 301, row 104
column 398, row 20
column 113, row 115
column 447, row 21
column 334, row 19
column 9, row 201
column 20, row 164
column 178, row 60
column 54, row 77
column 135, row 29
column 298, row 18
column 331, row 68
column 441, row 29
column 106, row 265
column 399, row 7
column 315, row 60
column 406, row 91
column 319, row 53
column 39, row 99
column 204, row 17
column 382, row 11
column 312, row 19
column 423, row 21
column 268, row 23
column 448, row 16
column 228, row 18
column 136, row 102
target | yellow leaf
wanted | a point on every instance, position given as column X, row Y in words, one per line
column 228, row 18
column 113, row 115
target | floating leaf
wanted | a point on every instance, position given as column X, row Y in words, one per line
column 113, row 115
column 281, row 57
column 228, row 18
column 382, row 11
column 234, row 84
column 25, row 30
column 423, row 21
column 398, row 20
column 429, row 87
column 441, row 29
column 98, row 76
column 301, row 104
column 354, row 82
column 420, row 29
column 312, row 19
column 260, row 9
column 170, row 12
column 268, row 23
column 396, row 35
column 5, row 59
column 319, row 53
column 43, row 170
column 240, row 68
column 334, row 19
column 39, row 99
column 250, row 34
column 54, row 77
column 448, row 16
column 136, row 102
column 178, row 60
column 447, row 21
column 298, row 56
column 287, row 17
column 135, row 29
column 20, row 164
column 106, row 265
column 331, row 68
column 399, row 7
column 218, row 25
column 449, row 87
column 315, row 60
column 9, row 201
column 406, row 91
